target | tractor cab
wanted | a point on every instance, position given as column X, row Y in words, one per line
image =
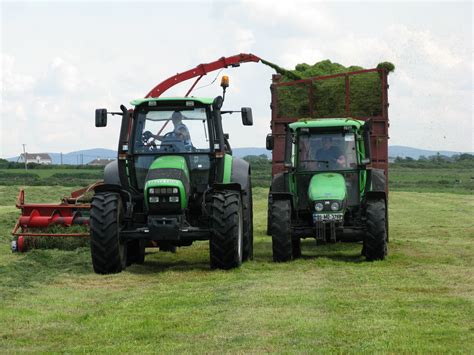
column 327, row 159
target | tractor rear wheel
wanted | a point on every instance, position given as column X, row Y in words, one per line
column 226, row 241
column 109, row 254
column 375, row 242
column 248, row 223
column 281, row 230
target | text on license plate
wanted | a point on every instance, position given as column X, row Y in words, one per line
column 327, row 217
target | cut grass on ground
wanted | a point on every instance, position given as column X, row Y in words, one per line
column 419, row 300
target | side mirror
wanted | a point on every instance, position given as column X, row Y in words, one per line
column 101, row 117
column 247, row 118
column 270, row 142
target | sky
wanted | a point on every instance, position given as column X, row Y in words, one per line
column 62, row 60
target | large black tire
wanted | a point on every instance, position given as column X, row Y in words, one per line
column 226, row 241
column 109, row 254
column 269, row 214
column 375, row 243
column 248, row 223
column 281, row 231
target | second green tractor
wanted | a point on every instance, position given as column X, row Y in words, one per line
column 327, row 190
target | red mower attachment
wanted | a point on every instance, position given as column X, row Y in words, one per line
column 73, row 210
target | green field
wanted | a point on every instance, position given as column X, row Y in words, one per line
column 419, row 300
column 50, row 177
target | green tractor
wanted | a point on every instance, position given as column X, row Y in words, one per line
column 175, row 182
column 327, row 190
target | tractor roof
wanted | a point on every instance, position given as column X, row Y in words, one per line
column 203, row 100
column 326, row 123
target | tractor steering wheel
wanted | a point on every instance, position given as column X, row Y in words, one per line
column 170, row 142
column 146, row 139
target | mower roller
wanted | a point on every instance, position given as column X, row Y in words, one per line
column 73, row 210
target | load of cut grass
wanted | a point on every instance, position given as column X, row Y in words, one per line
column 326, row 98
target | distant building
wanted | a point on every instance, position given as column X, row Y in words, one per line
column 37, row 158
column 100, row 162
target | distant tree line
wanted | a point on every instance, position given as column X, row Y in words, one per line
column 5, row 164
column 464, row 160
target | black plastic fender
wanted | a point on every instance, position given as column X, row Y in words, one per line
column 111, row 174
column 378, row 180
column 240, row 173
column 279, row 183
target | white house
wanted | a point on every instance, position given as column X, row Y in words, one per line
column 37, row 158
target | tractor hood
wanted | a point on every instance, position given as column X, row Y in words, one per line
column 167, row 178
column 327, row 186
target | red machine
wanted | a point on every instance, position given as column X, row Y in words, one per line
column 74, row 210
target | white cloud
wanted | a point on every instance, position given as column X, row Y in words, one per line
column 60, row 78
column 11, row 81
column 305, row 17
column 49, row 100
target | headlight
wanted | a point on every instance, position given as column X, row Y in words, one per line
column 318, row 207
column 152, row 191
column 335, row 206
column 154, row 199
column 174, row 199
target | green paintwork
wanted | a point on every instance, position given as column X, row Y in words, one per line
column 202, row 100
column 227, row 168
column 168, row 183
column 327, row 186
column 357, row 126
column 169, row 162
column 325, row 123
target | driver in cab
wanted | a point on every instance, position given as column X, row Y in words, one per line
column 330, row 153
column 180, row 131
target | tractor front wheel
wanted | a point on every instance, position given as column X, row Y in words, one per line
column 226, row 241
column 375, row 242
column 281, row 230
column 109, row 254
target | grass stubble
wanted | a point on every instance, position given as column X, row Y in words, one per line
column 418, row 300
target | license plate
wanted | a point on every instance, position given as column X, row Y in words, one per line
column 328, row 217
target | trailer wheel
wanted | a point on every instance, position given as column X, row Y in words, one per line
column 226, row 241
column 281, row 230
column 375, row 242
column 109, row 254
column 248, row 223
